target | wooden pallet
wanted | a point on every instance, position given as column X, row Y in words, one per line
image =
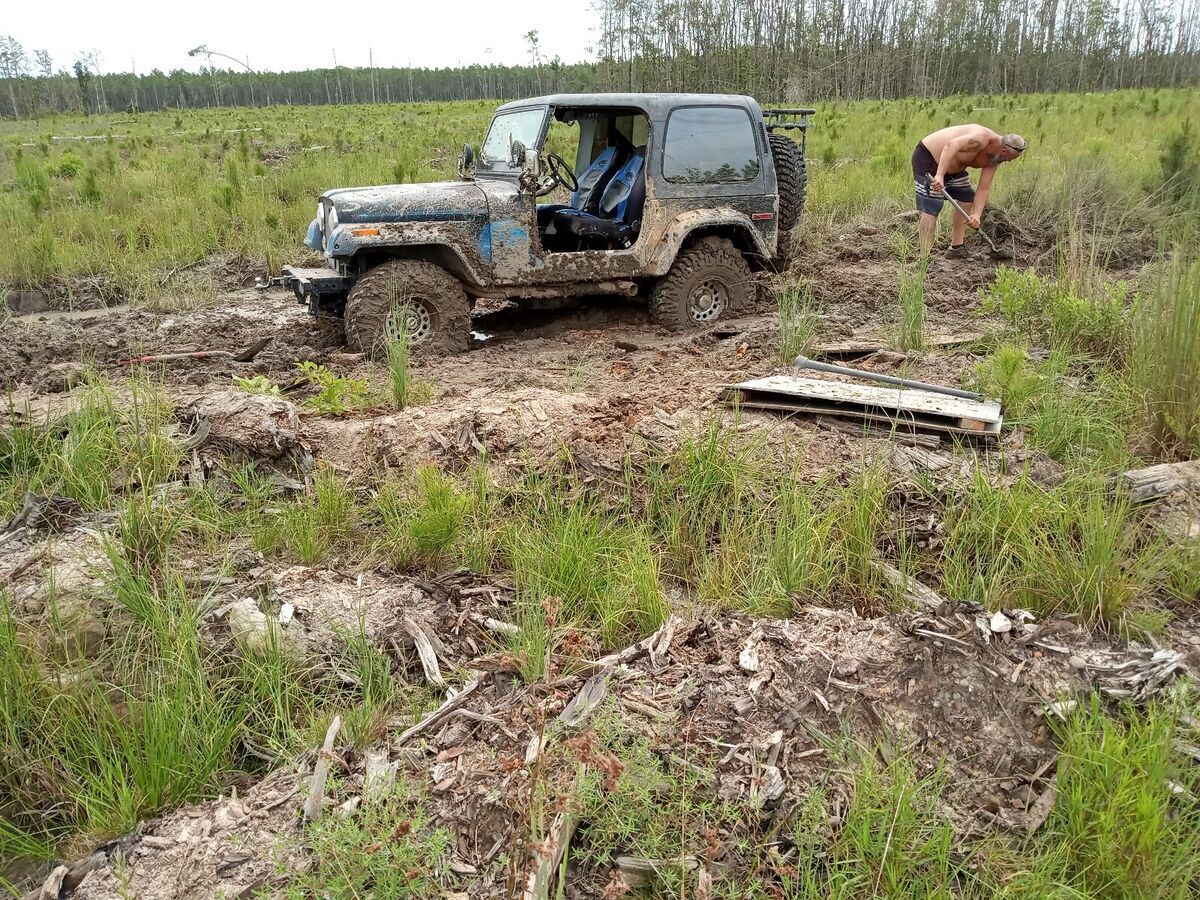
column 903, row 407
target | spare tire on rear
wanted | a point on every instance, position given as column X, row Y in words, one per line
column 791, row 178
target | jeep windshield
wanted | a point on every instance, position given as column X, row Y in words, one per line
column 524, row 125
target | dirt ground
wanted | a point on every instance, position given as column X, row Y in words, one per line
column 596, row 378
column 748, row 699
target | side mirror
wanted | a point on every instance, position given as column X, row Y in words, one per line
column 531, row 163
column 531, row 169
column 516, row 153
column 466, row 161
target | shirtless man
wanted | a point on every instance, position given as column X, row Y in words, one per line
column 940, row 163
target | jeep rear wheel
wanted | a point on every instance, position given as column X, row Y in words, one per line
column 427, row 298
column 709, row 281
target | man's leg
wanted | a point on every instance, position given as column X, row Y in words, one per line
column 959, row 231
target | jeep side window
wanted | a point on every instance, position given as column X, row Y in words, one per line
column 710, row 145
column 524, row 125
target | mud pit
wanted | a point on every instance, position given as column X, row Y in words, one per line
column 746, row 704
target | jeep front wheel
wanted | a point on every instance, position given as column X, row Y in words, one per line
column 710, row 280
column 429, row 298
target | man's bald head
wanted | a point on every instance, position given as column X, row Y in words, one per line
column 1014, row 145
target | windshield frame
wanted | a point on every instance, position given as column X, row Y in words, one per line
column 485, row 165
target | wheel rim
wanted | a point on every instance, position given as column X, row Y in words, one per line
column 413, row 315
column 708, row 301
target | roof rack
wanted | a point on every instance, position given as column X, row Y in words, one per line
column 787, row 118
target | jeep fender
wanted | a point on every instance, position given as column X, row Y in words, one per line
column 460, row 247
column 722, row 220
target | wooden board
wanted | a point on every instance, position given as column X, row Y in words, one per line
column 1153, row 482
column 874, row 403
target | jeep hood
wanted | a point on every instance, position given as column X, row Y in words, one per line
column 440, row 201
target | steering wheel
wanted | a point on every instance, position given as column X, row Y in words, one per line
column 561, row 171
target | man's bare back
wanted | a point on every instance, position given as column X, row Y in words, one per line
column 971, row 147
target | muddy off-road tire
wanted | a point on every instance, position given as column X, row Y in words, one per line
column 709, row 281
column 438, row 310
column 785, row 249
column 791, row 178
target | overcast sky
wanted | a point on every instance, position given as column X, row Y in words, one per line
column 301, row 35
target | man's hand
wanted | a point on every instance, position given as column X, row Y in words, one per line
column 936, row 184
column 974, row 220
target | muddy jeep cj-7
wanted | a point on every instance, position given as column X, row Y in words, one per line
column 677, row 197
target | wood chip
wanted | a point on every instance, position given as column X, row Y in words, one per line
column 316, row 786
column 428, row 656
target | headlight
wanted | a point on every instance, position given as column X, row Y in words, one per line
column 321, row 215
column 332, row 222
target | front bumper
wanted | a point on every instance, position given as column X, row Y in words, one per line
column 317, row 288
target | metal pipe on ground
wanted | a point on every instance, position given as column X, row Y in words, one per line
column 803, row 362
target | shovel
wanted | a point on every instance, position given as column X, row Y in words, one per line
column 996, row 252
column 245, row 355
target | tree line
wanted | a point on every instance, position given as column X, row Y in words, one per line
column 777, row 50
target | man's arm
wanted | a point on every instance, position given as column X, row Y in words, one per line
column 981, row 195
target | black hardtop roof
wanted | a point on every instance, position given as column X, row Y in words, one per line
column 654, row 105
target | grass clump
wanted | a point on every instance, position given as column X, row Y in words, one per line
column 580, row 568
column 910, row 332
column 316, row 526
column 1087, row 316
column 1126, row 820
column 256, row 384
column 100, row 448
column 802, row 543
column 422, row 521
column 1068, row 550
column 405, row 388
column 798, row 320
column 334, row 394
column 1165, row 366
column 1083, row 419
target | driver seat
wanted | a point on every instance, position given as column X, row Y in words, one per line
column 617, row 217
column 592, row 182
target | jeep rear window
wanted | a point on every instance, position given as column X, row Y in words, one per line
column 524, row 125
column 710, row 145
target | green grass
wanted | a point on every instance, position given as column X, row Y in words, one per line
column 579, row 567
column 151, row 718
column 316, row 526
column 178, row 188
column 1126, row 821
column 100, row 447
column 1166, row 358
column 390, row 848
column 910, row 331
column 798, row 320
column 1074, row 412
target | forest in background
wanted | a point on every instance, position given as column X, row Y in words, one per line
column 777, row 50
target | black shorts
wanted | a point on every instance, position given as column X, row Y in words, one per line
column 958, row 184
